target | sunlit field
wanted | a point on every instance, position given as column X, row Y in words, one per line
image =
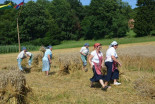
column 67, row 83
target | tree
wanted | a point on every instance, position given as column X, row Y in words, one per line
column 66, row 19
column 144, row 20
column 108, row 21
column 8, row 33
column 32, row 21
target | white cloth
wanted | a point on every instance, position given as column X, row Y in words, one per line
column 29, row 53
column 21, row 55
column 84, row 50
column 110, row 52
column 113, row 44
column 95, row 56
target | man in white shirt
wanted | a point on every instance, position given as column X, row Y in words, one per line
column 84, row 53
column 111, row 64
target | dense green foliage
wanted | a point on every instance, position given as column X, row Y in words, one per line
column 47, row 22
column 145, row 18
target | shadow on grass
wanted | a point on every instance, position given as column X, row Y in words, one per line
column 27, row 69
column 52, row 73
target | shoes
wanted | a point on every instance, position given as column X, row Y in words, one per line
column 117, row 83
column 104, row 88
column 86, row 70
column 92, row 86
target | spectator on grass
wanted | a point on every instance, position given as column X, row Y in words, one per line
column 96, row 61
column 47, row 60
column 29, row 54
column 84, row 53
column 111, row 63
column 20, row 57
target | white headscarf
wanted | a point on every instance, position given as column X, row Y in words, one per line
column 113, row 44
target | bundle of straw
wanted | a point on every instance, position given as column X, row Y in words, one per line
column 69, row 63
column 13, row 88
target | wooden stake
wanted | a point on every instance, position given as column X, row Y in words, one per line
column 18, row 35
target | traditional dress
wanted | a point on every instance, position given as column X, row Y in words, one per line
column 96, row 62
column 85, row 51
column 112, row 71
column 45, row 60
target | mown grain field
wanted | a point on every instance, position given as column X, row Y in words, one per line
column 68, row 84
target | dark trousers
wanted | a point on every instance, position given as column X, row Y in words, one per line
column 111, row 75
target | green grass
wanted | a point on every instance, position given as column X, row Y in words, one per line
column 74, row 44
column 14, row 48
column 131, row 34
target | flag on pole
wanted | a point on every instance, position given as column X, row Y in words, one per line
column 7, row 6
column 18, row 6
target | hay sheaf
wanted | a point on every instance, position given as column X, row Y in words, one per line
column 42, row 49
column 69, row 63
column 37, row 62
column 145, row 86
column 13, row 87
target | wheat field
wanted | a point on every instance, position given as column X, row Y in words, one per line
column 137, row 76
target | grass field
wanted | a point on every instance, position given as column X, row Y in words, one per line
column 137, row 78
column 74, row 44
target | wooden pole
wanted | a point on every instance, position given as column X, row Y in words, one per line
column 18, row 34
column 18, row 30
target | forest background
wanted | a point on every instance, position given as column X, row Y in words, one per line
column 47, row 22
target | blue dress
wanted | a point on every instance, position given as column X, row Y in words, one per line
column 46, row 63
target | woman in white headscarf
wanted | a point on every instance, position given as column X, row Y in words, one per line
column 111, row 63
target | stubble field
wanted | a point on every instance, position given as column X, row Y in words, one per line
column 68, row 84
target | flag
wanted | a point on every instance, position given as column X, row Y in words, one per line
column 7, row 6
column 18, row 6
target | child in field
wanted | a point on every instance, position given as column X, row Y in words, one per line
column 84, row 53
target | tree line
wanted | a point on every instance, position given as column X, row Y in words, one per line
column 47, row 22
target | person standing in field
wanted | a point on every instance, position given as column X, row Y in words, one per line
column 29, row 54
column 47, row 60
column 20, row 57
column 84, row 53
column 111, row 63
column 96, row 61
